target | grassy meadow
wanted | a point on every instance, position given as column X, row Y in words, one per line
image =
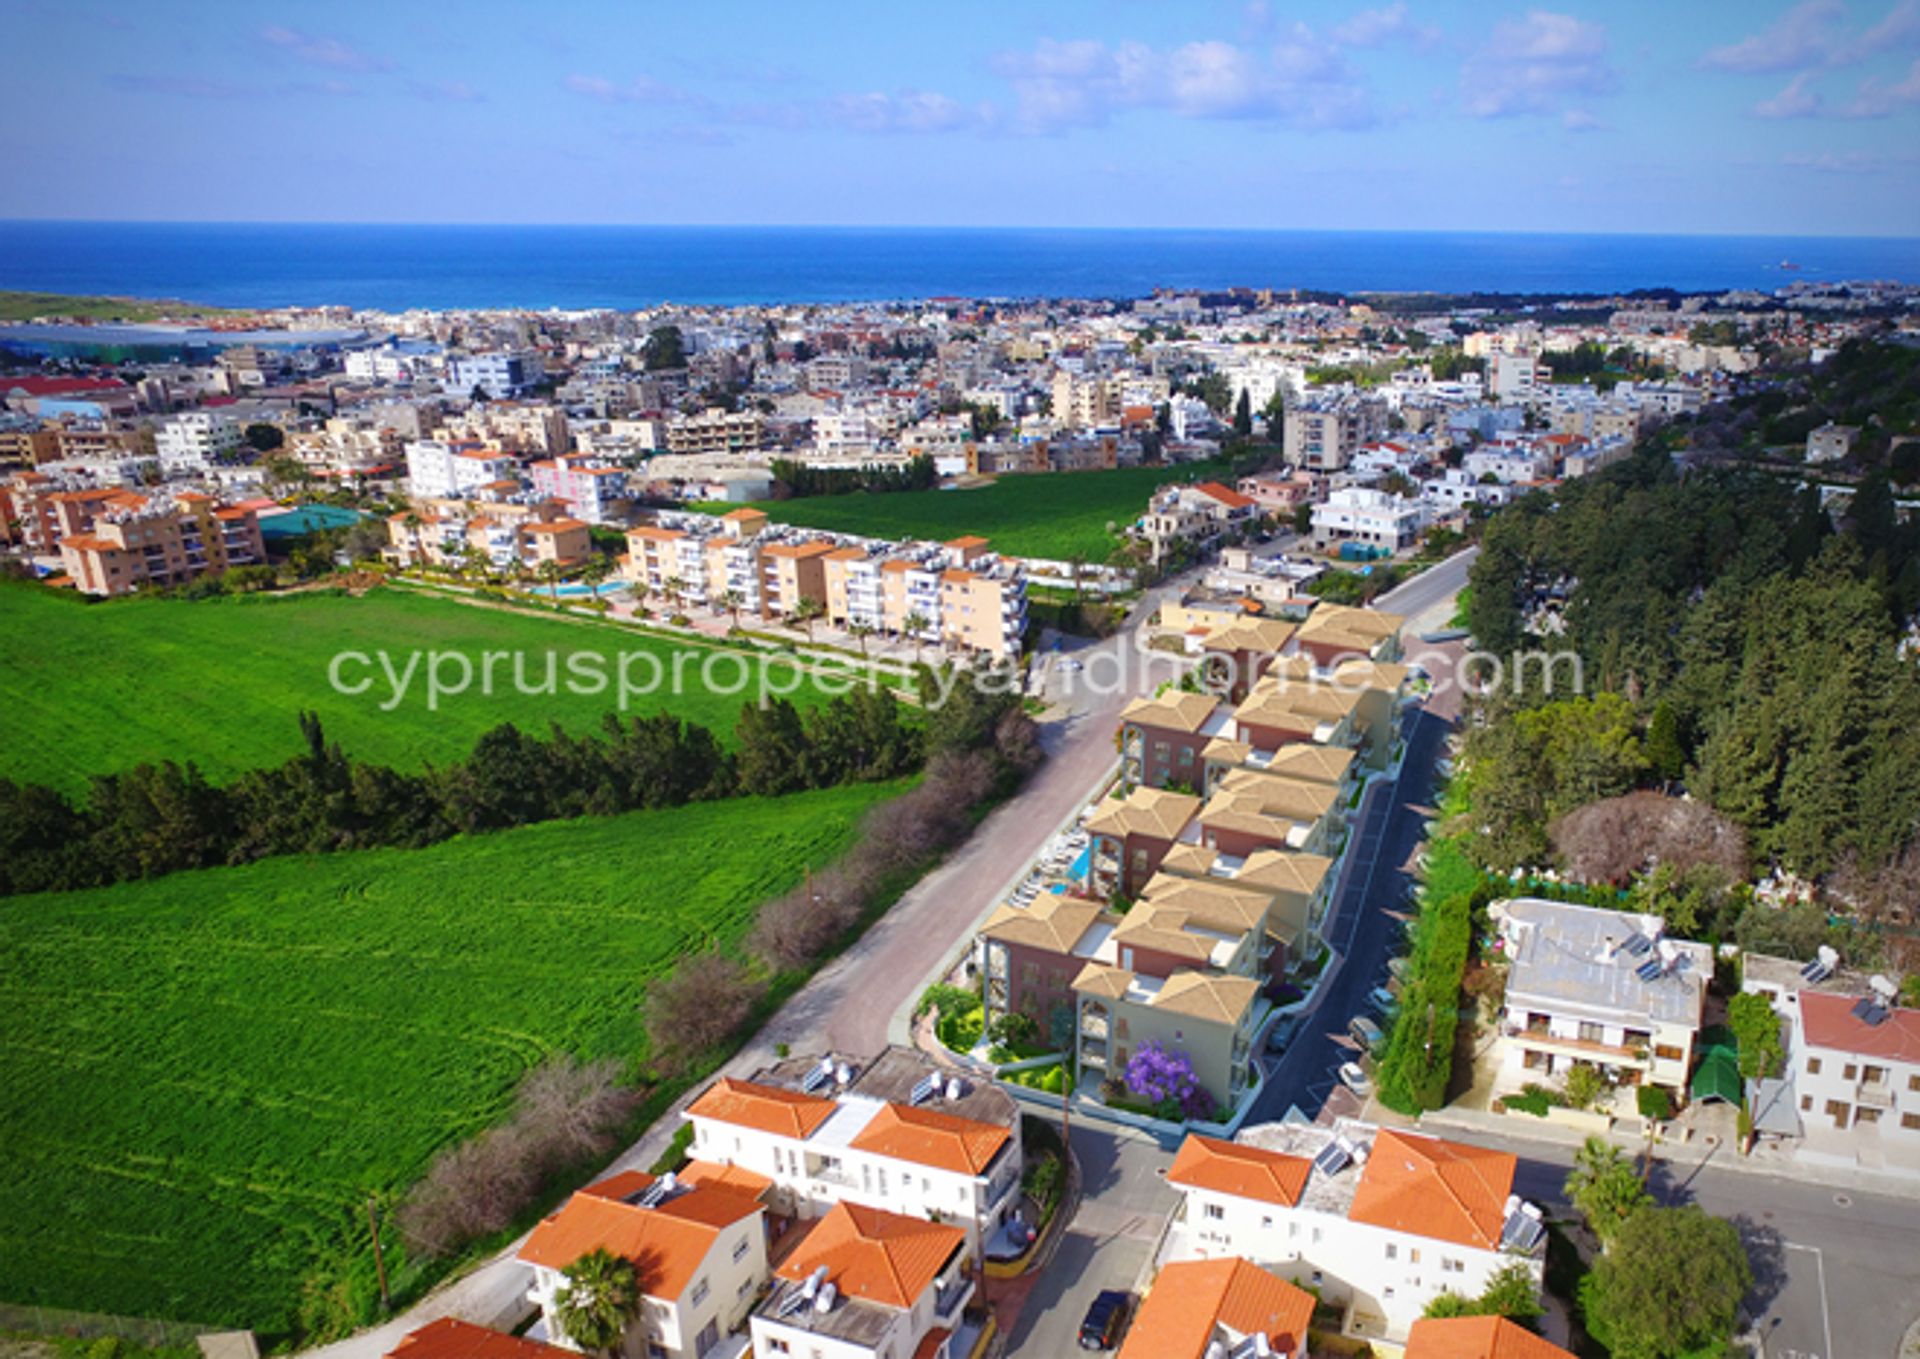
column 25, row 306
column 202, row 1077
column 1053, row 515
column 92, row 688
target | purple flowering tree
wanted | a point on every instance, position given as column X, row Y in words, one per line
column 1164, row 1077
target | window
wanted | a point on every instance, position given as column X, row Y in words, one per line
column 778, row 1346
column 1266, row 1224
column 1393, row 1251
column 1837, row 1111
column 1452, row 1266
column 1666, row 1052
column 1589, row 1033
column 1874, row 1075
column 740, row 1250
column 1413, row 1256
column 746, row 1287
column 1216, row 1213
column 699, row 1294
column 1913, row 1083
column 1866, row 1114
column 1910, row 1121
column 1849, row 1071
column 1813, row 1066
column 1806, row 1104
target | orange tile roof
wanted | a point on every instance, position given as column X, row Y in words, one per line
column 1246, row 1172
column 1428, row 1187
column 1477, row 1338
column 1827, row 1020
column 1189, row 1300
column 847, row 554
column 451, row 1338
column 737, row 516
column 555, row 526
column 766, row 1108
column 668, row 1244
column 874, row 1255
column 932, row 1137
column 621, row 1186
column 955, row 576
column 968, row 540
column 1226, row 495
column 714, row 1175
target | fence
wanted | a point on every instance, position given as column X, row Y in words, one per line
column 144, row 1331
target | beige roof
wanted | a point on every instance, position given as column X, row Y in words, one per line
column 1277, row 870
column 1200, row 995
column 1357, row 629
column 1175, row 710
column 1251, row 634
column 1054, row 922
column 1193, row 861
column 1145, row 811
column 1249, row 793
column 1100, row 979
column 1362, row 674
column 1279, row 702
column 1310, row 762
column 1214, row 903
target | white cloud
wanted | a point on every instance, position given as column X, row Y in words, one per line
column 1813, row 34
column 1846, row 162
column 319, row 50
column 446, row 92
column 1539, row 64
column 908, row 111
column 639, row 90
column 1795, row 101
column 1378, row 27
column 1580, row 120
column 1295, row 78
column 1876, row 99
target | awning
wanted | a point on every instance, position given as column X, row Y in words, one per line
column 1775, row 1111
column 1717, row 1076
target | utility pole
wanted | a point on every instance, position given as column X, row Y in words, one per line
column 379, row 1262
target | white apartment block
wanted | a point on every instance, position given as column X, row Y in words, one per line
column 896, row 1135
column 1505, row 463
column 500, row 374
column 442, row 471
column 1454, row 489
column 1516, row 377
column 1359, row 514
column 698, row 1241
column 1379, row 1221
column 1607, row 988
column 1323, row 432
column 196, row 441
column 1852, row 1083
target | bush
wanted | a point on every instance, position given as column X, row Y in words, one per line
column 702, row 1004
column 1044, row 1179
column 1654, row 1102
column 563, row 1114
column 1416, row 1061
column 1014, row 1029
column 962, row 1030
column 675, row 1155
column 944, row 998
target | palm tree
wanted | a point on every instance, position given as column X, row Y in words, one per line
column 1604, row 1187
column 599, row 566
column 730, row 600
column 805, row 611
column 861, row 631
column 599, row 1299
column 1075, row 565
column 472, row 559
column 550, row 573
column 916, row 624
column 675, row 587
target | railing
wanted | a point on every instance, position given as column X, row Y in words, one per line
column 841, row 1176
column 1628, row 1052
column 951, row 1297
column 141, row 1330
column 1874, row 1094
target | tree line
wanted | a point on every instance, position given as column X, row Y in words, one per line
column 163, row 818
column 797, row 480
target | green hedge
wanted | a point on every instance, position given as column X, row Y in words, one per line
column 1416, row 1060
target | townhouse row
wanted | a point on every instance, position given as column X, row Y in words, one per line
column 1209, row 876
column 115, row 540
column 829, row 1209
column 957, row 594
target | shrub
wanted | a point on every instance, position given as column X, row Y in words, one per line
column 675, row 1155
column 946, row 999
column 1014, row 1029
column 1584, row 1085
column 701, row 1005
column 1654, row 1102
column 1416, row 1061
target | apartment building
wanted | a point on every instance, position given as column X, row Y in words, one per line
column 717, row 431
column 1852, row 1082
column 1210, row 1017
column 508, row 538
column 1603, row 987
column 1085, row 402
column 894, row 1133
column 1335, row 766
column 1197, row 513
column 1377, row 1221
column 1250, row 810
column 1131, row 835
column 1334, row 633
column 1236, row 654
column 1278, row 494
column 437, row 470
column 1298, row 887
column 588, row 488
column 1208, row 1309
column 1288, row 705
column 197, row 440
column 500, row 374
column 983, row 606
column 29, row 445
column 158, row 541
column 1370, row 518
column 792, row 573
column 346, row 447
column 866, row 1283
column 37, row 510
column 1321, row 434
column 698, row 1243
column 1162, row 738
column 532, row 428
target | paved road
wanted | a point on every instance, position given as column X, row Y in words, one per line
column 1432, row 587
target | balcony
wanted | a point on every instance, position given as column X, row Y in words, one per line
column 950, row 1297
column 1617, row 1054
column 1874, row 1094
column 1094, row 1026
column 1095, row 1057
column 837, row 1175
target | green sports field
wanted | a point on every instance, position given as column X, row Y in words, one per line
column 89, row 688
column 203, row 1076
column 1053, row 515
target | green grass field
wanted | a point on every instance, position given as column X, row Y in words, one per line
column 95, row 688
column 1052, row 515
column 203, row 1076
column 24, row 306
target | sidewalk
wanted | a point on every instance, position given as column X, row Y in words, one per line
column 1683, row 1158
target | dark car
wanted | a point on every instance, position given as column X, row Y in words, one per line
column 1100, row 1328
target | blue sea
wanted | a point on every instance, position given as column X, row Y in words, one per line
column 395, row 267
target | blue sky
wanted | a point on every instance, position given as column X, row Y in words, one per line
column 1681, row 116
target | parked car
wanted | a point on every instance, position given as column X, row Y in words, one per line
column 1399, row 969
column 1281, row 1034
column 1355, row 1080
column 1382, row 1000
column 1100, row 1328
column 1364, row 1032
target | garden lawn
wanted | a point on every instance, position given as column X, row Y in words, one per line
column 203, row 1076
column 96, row 688
column 1051, row 515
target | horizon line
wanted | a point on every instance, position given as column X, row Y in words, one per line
column 952, row 227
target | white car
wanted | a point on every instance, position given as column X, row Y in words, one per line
column 1070, row 666
column 1382, row 1000
column 1355, row 1079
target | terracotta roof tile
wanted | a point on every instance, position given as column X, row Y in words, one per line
column 450, row 1338
column 1827, row 1021
column 667, row 1244
column 767, row 1108
column 1245, row 1172
column 1190, row 1300
column 874, row 1255
column 931, row 1137
column 1477, row 1338
column 1428, row 1187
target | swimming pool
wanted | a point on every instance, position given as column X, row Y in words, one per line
column 575, row 589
